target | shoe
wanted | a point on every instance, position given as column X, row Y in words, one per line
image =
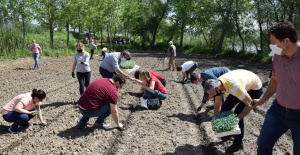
column 234, row 148
column 12, row 130
column 26, row 126
column 101, row 125
column 81, row 125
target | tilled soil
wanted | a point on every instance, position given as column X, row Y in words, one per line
column 176, row 128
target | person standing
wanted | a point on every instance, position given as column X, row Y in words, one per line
column 110, row 64
column 284, row 113
column 243, row 86
column 35, row 50
column 100, row 100
column 22, row 108
column 187, row 69
column 103, row 53
column 93, row 47
column 171, row 54
column 199, row 79
column 82, row 65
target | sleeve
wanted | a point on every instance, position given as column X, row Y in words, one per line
column 205, row 97
column 115, row 63
column 275, row 58
column 25, row 101
column 75, row 60
column 238, row 91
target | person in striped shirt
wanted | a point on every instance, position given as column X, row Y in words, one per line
column 243, row 86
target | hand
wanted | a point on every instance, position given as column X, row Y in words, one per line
column 199, row 108
column 73, row 74
column 256, row 103
column 44, row 123
column 32, row 112
column 120, row 126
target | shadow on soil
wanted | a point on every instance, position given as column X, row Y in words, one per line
column 186, row 117
column 74, row 132
column 196, row 150
column 57, row 104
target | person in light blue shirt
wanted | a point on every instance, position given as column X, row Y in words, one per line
column 199, row 79
column 110, row 64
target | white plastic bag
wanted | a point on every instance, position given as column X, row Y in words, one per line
column 166, row 60
column 144, row 104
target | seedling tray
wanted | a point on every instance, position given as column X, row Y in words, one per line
column 128, row 71
column 235, row 131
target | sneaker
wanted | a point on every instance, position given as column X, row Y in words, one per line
column 26, row 126
column 101, row 125
column 12, row 130
column 81, row 125
column 234, row 148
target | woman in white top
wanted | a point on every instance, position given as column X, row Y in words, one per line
column 82, row 65
column 187, row 69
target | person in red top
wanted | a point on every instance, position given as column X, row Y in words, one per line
column 153, row 88
column 100, row 99
column 158, row 76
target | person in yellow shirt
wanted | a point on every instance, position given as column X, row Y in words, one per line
column 243, row 86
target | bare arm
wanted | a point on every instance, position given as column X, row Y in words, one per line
column 271, row 90
column 151, row 86
column 183, row 76
column 115, row 115
column 218, row 104
column 119, row 71
column 20, row 109
column 247, row 108
column 40, row 114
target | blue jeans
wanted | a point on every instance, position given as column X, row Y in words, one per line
column 105, row 73
column 17, row 118
column 102, row 114
column 154, row 94
column 36, row 60
column 84, row 80
column 277, row 121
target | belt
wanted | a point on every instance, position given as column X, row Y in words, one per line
column 288, row 109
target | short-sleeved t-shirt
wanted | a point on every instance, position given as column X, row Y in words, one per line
column 287, row 71
column 25, row 99
column 111, row 62
column 158, row 85
column 158, row 76
column 187, row 65
column 82, row 68
column 98, row 93
column 238, row 82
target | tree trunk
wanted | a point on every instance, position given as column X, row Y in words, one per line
column 51, row 34
column 68, row 34
column 24, row 32
column 238, row 27
column 181, row 35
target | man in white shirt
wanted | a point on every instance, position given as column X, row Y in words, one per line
column 187, row 69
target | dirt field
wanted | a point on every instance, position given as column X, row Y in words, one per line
column 176, row 128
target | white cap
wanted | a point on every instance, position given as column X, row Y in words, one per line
column 170, row 42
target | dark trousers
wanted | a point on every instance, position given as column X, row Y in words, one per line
column 231, row 101
column 163, row 82
column 105, row 73
column 191, row 70
column 92, row 53
column 84, row 80
column 18, row 118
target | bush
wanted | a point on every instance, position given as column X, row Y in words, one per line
column 129, row 64
column 224, row 121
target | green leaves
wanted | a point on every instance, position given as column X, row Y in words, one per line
column 129, row 64
column 224, row 121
